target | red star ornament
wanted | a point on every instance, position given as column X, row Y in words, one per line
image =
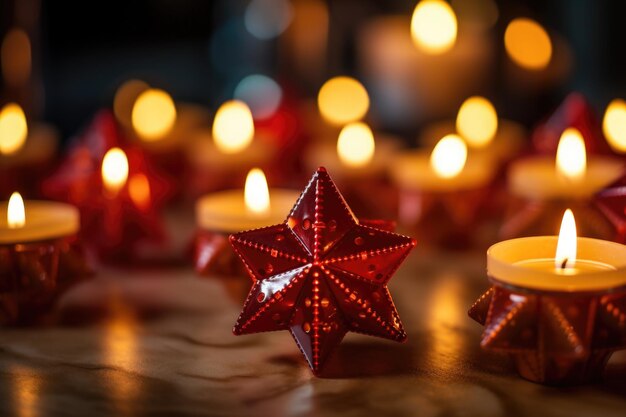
column 321, row 274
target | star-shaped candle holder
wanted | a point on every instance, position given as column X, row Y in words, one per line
column 554, row 338
column 34, row 274
column 321, row 274
column 611, row 201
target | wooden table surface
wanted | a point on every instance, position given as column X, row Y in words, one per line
column 166, row 348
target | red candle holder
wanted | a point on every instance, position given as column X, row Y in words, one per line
column 526, row 217
column 445, row 219
column 116, row 225
column 554, row 338
column 575, row 111
column 33, row 275
column 611, row 202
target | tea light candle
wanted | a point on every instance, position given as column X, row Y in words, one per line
column 572, row 177
column 23, row 146
column 477, row 122
column 34, row 221
column 446, row 169
column 231, row 148
column 357, row 153
column 553, row 304
column 152, row 118
column 253, row 207
column 221, row 213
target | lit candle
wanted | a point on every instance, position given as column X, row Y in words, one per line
column 573, row 176
column 34, row 221
column 230, row 148
column 221, row 213
column 21, row 144
column 477, row 122
column 614, row 125
column 446, row 169
column 152, row 118
column 40, row 256
column 553, row 303
column 253, row 207
column 340, row 101
column 357, row 153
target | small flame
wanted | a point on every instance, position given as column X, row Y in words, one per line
column 449, row 156
column 343, row 100
column 139, row 190
column 16, row 215
column 614, row 125
column 477, row 121
column 528, row 44
column 114, row 170
column 13, row 129
column 233, row 127
column 356, row 145
column 566, row 246
column 434, row 26
column 256, row 192
column 571, row 156
column 154, row 114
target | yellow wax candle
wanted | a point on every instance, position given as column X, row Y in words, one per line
column 564, row 263
column 23, row 144
column 31, row 221
column 358, row 152
column 446, row 169
column 569, row 176
column 232, row 145
column 254, row 207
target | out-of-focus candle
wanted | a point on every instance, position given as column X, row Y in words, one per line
column 153, row 115
column 434, row 26
column 114, row 170
column 446, row 169
column 13, row 129
column 572, row 176
column 528, row 44
column 342, row 100
column 614, row 125
column 233, row 127
column 477, row 122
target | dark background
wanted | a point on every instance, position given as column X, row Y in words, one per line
column 198, row 51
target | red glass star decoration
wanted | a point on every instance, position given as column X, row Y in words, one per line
column 576, row 112
column 612, row 203
column 554, row 338
column 321, row 274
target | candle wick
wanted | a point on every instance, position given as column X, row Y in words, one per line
column 564, row 263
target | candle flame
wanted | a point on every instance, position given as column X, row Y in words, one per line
column 356, row 145
column 571, row 156
column 13, row 129
column 343, row 100
column 139, row 190
column 233, row 127
column 114, row 170
column 528, row 44
column 256, row 192
column 449, row 156
column 16, row 214
column 477, row 121
column 434, row 26
column 566, row 246
column 153, row 115
column 614, row 125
